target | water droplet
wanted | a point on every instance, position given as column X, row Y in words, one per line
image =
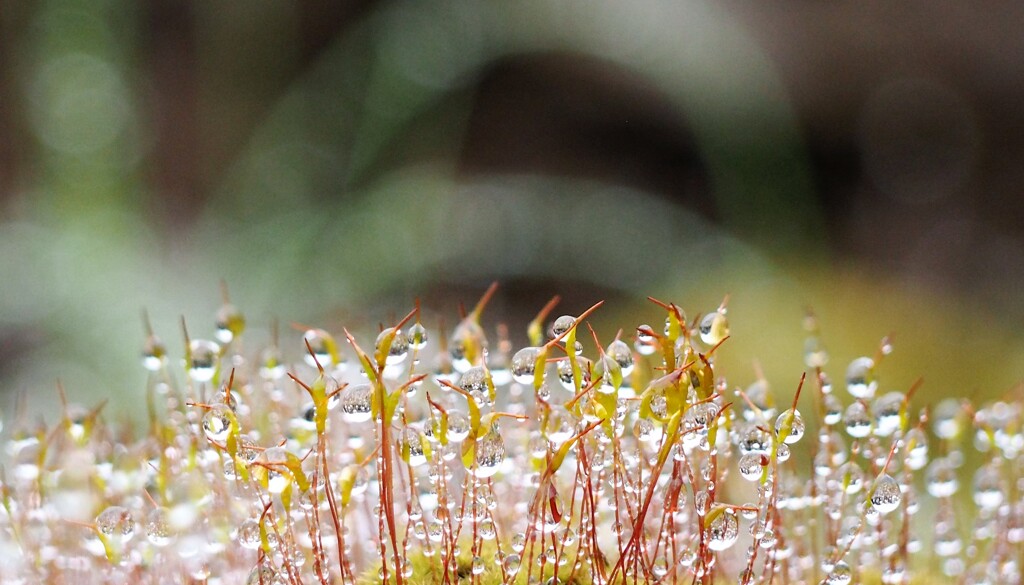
column 262, row 574
column 646, row 344
column 562, row 324
column 154, row 354
column 886, row 495
column 857, row 420
column 487, row 530
column 217, row 423
column 271, row 367
column 249, row 534
column 230, row 323
column 723, row 531
column 947, row 543
column 760, row 395
column 490, row 453
column 645, row 431
column 815, row 354
column 917, row 448
column 561, row 422
column 860, row 378
column 399, row 348
column 116, row 523
column 417, row 336
column 795, row 424
column 158, row 527
column 714, row 327
column 607, row 369
column 565, row 372
column 277, row 478
column 511, row 563
column 751, row 466
column 988, row 487
column 474, row 383
column 946, row 419
column 519, row 542
column 523, row 363
column 412, row 439
column 886, row 409
column 754, row 440
column 203, row 358
column 324, row 348
column 468, row 336
column 941, row 478
column 841, row 574
column 783, row 453
column 356, row 405
column 833, row 410
column 852, row 477
column 620, row 352
column 458, row 426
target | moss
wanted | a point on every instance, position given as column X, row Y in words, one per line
column 427, row 571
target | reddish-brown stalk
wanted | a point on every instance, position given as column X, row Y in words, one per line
column 638, row 522
column 772, row 507
column 497, row 534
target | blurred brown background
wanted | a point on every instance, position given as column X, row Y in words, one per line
column 333, row 160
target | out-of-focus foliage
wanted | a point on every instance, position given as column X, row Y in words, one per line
column 351, row 190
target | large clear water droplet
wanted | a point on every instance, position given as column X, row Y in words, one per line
column 886, row 495
column 941, row 478
column 249, row 534
column 468, row 334
column 458, row 426
column 714, row 327
column 751, row 466
column 833, row 410
column 262, row 574
column 412, row 439
column 857, row 420
column 217, row 423
column 511, row 564
column 841, row 574
column 154, row 354
column 723, row 531
column 886, row 409
column 562, row 324
column 988, row 488
column 399, row 348
column 277, row 478
column 474, row 383
column 646, row 344
column 565, row 372
column 490, row 453
column 356, row 403
column 324, row 348
column 860, row 378
column 620, row 352
column 158, row 527
column 523, row 364
column 230, row 323
column 116, row 523
column 946, row 418
column 851, row 477
column 792, row 418
column 203, row 357
column 417, row 336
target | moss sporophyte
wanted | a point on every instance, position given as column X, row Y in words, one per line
column 576, row 459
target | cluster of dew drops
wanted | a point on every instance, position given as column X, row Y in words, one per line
column 448, row 457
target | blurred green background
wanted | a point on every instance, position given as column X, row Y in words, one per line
column 332, row 161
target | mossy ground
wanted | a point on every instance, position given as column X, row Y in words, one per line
column 426, row 571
